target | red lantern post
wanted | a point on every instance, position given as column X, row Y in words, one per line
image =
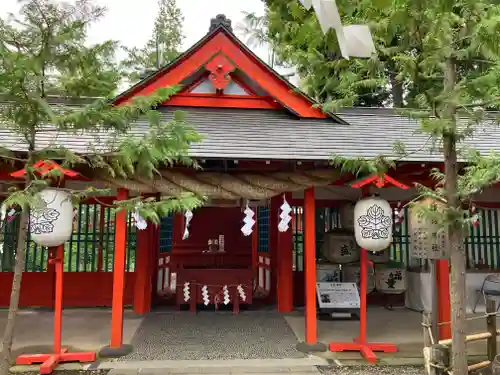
column 360, row 344
column 50, row 361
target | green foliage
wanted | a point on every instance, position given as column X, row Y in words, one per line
column 43, row 51
column 362, row 167
column 163, row 46
column 296, row 36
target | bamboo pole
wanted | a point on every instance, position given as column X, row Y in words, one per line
column 478, row 366
column 471, row 338
column 491, row 327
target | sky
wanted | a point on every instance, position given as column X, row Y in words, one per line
column 131, row 21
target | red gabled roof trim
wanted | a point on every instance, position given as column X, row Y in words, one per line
column 223, row 101
column 223, row 41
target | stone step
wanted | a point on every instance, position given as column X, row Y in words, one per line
column 305, row 366
column 297, row 370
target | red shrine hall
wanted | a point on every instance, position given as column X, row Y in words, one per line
column 272, row 224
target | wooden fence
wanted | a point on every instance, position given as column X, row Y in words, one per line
column 437, row 355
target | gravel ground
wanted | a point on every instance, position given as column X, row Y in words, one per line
column 187, row 336
column 372, row 370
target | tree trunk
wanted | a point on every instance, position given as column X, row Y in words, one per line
column 8, row 335
column 455, row 230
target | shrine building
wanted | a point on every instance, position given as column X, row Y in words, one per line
column 264, row 144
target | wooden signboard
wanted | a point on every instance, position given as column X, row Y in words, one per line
column 337, row 296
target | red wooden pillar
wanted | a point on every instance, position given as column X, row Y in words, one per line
column 116, row 348
column 143, row 269
column 444, row 306
column 285, row 267
column 274, row 208
column 311, row 344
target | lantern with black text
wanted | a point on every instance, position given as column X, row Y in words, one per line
column 373, row 224
column 52, row 224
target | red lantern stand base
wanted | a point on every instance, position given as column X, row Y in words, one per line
column 50, row 361
column 359, row 344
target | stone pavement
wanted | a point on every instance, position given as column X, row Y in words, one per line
column 304, row 366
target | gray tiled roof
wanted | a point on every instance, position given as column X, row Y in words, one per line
column 266, row 134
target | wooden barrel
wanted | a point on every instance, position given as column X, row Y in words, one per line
column 347, row 216
column 390, row 280
column 339, row 247
column 378, row 257
column 351, row 274
column 328, row 273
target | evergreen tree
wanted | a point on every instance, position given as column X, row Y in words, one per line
column 163, row 46
column 42, row 52
column 297, row 39
column 449, row 53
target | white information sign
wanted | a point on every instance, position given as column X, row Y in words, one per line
column 337, row 295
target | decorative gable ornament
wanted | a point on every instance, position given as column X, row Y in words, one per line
column 373, row 224
column 354, row 40
column 220, row 68
column 52, row 224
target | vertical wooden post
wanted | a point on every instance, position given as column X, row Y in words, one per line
column 444, row 305
column 58, row 303
column 310, row 265
column 440, row 356
column 311, row 343
column 491, row 325
column 363, row 260
column 119, row 274
column 285, row 267
column 143, row 270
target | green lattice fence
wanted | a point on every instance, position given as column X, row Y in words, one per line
column 482, row 245
column 263, row 228
column 166, row 224
column 93, row 237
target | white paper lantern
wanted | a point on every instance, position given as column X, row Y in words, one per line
column 390, row 280
column 351, row 273
column 52, row 224
column 373, row 223
column 340, row 247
